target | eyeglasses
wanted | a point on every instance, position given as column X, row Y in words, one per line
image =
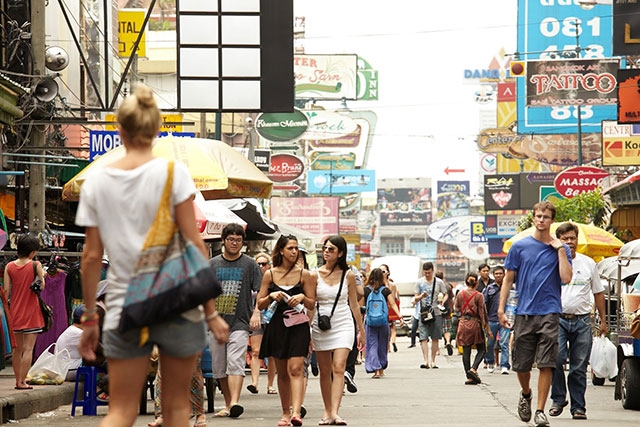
column 262, row 264
column 384, row 272
column 328, row 248
column 232, row 240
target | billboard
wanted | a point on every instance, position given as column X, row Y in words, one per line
column 581, row 82
column 453, row 199
column 340, row 181
column 626, row 28
column 629, row 96
column 501, row 192
column 404, row 206
column 620, row 144
column 315, row 215
column 325, row 76
column 547, row 30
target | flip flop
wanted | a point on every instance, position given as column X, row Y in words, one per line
column 236, row 410
column 338, row 422
column 324, row 422
column 24, row 388
column 474, row 376
column 470, row 382
column 557, row 408
column 283, row 423
column 252, row 388
column 200, row 424
column 271, row 390
column 296, row 421
column 579, row 414
column 221, row 414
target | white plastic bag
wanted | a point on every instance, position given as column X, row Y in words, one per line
column 50, row 368
column 604, row 359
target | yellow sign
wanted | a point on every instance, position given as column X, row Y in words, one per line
column 129, row 26
column 166, row 118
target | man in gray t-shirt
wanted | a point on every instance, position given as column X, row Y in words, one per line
column 426, row 293
column 239, row 275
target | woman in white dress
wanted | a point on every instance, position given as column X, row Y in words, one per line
column 332, row 346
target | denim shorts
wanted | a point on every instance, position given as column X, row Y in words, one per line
column 175, row 338
column 535, row 338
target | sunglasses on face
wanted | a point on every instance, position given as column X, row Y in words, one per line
column 262, row 264
column 328, row 248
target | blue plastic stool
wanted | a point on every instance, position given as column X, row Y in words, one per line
column 89, row 400
column 209, row 381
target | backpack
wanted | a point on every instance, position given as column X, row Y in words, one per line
column 377, row 309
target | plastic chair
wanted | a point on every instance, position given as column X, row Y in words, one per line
column 89, row 400
column 207, row 373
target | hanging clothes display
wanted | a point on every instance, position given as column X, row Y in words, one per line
column 53, row 294
column 73, row 289
column 8, row 339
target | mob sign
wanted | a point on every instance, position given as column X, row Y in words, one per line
column 101, row 141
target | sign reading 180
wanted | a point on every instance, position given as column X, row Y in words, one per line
column 552, row 29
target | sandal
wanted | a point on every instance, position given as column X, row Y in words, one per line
column 557, row 408
column 221, row 413
column 271, row 390
column 201, row 423
column 296, row 421
column 579, row 414
column 283, row 423
column 470, row 382
column 157, row 423
column 236, row 410
column 252, row 388
column 324, row 422
column 338, row 422
column 474, row 376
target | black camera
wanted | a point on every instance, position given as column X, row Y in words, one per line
column 324, row 322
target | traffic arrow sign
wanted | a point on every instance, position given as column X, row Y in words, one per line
column 448, row 171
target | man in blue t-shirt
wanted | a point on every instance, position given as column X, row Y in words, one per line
column 539, row 265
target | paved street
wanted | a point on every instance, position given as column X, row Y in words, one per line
column 407, row 396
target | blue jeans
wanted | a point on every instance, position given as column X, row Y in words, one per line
column 577, row 334
column 504, row 335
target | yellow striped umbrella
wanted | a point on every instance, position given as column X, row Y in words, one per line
column 593, row 241
column 218, row 170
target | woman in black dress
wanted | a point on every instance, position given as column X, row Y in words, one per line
column 287, row 336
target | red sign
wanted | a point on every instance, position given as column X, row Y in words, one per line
column 507, row 92
column 285, row 167
column 579, row 179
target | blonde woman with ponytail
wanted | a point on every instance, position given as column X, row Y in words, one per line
column 118, row 203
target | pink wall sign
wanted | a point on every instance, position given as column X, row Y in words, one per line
column 315, row 215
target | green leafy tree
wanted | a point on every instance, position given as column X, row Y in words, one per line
column 588, row 208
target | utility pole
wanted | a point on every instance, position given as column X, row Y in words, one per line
column 37, row 220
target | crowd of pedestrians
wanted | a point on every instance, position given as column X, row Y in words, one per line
column 295, row 318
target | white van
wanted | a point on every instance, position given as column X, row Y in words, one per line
column 405, row 271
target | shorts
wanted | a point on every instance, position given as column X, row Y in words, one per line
column 535, row 338
column 175, row 338
column 432, row 330
column 446, row 323
column 229, row 358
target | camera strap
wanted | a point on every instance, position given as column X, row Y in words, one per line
column 344, row 273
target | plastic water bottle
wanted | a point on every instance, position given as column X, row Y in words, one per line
column 511, row 308
column 268, row 314
column 298, row 307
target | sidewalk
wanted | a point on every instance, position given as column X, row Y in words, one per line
column 407, row 396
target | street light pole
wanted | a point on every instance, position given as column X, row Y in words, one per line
column 579, row 109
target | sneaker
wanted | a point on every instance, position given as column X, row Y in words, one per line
column 524, row 408
column 540, row 420
column 490, row 368
column 351, row 385
column 505, row 370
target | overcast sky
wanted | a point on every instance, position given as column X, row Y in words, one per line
column 427, row 117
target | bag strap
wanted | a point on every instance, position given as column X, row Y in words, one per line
column 163, row 226
column 35, row 270
column 344, row 273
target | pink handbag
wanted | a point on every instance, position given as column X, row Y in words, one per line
column 292, row 317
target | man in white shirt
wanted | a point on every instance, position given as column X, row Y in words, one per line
column 575, row 336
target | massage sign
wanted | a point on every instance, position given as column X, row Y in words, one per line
column 580, row 179
column 555, row 83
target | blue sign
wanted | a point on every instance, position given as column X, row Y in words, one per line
column 477, row 233
column 547, row 30
column 340, row 181
column 101, row 141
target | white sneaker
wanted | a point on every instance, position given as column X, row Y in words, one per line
column 490, row 369
column 505, row 371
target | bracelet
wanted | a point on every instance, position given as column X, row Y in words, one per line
column 89, row 317
column 90, row 310
column 89, row 322
column 212, row 316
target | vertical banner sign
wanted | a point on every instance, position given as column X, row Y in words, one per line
column 629, row 95
column 547, row 30
column 129, row 26
column 626, row 28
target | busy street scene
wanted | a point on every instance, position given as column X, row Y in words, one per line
column 297, row 212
